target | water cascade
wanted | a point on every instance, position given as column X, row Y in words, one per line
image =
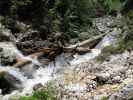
column 25, row 78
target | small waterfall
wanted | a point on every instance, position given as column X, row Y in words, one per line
column 20, row 79
column 42, row 74
column 45, row 73
column 109, row 39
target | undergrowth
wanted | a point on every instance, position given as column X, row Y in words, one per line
column 49, row 93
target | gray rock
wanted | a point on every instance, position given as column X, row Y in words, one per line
column 7, row 53
column 116, row 79
column 8, row 81
column 38, row 86
column 6, row 35
column 103, row 24
column 102, row 78
column 126, row 93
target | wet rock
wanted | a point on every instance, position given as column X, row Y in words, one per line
column 37, row 86
column 6, row 35
column 8, row 82
column 130, row 61
column 7, row 53
column 110, row 39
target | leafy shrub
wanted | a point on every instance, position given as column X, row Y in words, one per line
column 68, row 16
column 75, row 15
column 104, row 98
column 49, row 93
column 40, row 95
column 112, row 5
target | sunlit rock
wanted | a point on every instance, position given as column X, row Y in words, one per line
column 7, row 53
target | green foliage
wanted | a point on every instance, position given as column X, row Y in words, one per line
column 40, row 95
column 70, row 17
column 49, row 93
column 112, row 5
column 105, row 98
column 74, row 15
column 15, row 4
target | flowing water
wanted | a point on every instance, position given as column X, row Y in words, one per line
column 25, row 79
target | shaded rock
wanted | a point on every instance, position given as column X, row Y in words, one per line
column 32, row 40
column 8, row 82
column 37, row 86
column 30, row 35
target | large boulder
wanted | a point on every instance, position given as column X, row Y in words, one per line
column 8, row 80
column 5, row 34
column 8, row 53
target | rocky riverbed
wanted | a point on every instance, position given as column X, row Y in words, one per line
column 91, row 80
column 77, row 77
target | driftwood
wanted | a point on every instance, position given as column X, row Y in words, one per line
column 86, row 42
column 53, row 52
column 21, row 62
column 90, row 43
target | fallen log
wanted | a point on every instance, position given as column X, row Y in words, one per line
column 86, row 42
column 81, row 50
column 53, row 52
column 24, row 61
column 21, row 62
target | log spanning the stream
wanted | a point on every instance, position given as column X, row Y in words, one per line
column 87, row 43
column 81, row 48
